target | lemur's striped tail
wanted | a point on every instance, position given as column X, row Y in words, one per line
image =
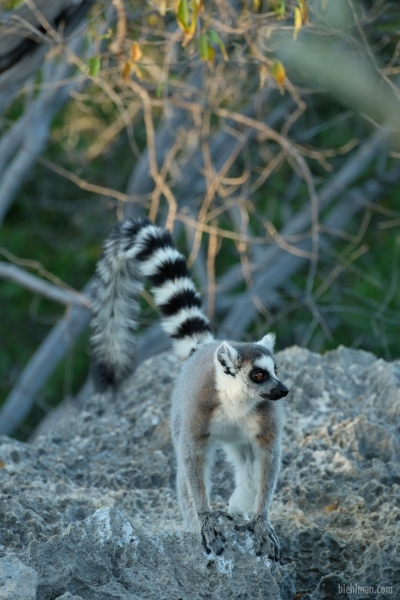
column 137, row 249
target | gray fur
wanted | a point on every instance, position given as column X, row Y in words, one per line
column 117, row 286
column 251, row 441
column 225, row 394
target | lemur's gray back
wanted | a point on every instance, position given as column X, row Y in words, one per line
column 137, row 249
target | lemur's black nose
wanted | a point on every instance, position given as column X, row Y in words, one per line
column 279, row 391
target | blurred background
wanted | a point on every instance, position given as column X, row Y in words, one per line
column 263, row 133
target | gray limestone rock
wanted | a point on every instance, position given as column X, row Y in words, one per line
column 17, row 581
column 104, row 557
column 90, row 506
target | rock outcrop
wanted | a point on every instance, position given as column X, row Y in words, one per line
column 89, row 509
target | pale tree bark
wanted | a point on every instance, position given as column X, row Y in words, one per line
column 27, row 139
column 27, row 37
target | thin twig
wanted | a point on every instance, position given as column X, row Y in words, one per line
column 37, row 285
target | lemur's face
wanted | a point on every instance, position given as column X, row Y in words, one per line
column 254, row 366
column 263, row 379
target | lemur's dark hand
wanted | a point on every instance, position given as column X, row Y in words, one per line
column 264, row 535
column 212, row 538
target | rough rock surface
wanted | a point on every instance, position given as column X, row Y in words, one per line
column 17, row 580
column 89, row 512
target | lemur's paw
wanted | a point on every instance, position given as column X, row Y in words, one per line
column 264, row 536
column 223, row 513
column 212, row 538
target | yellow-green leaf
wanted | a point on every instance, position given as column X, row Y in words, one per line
column 204, row 47
column 278, row 73
column 94, row 64
column 11, row 4
column 182, row 15
column 186, row 21
column 159, row 90
column 215, row 38
column 153, row 19
column 304, row 10
column 298, row 21
column 135, row 52
column 263, row 75
column 279, row 8
column 126, row 71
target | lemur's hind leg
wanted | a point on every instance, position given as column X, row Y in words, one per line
column 242, row 501
column 185, row 500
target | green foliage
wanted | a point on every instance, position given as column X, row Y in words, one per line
column 94, row 66
column 11, row 4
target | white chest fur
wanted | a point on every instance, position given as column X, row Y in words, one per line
column 234, row 420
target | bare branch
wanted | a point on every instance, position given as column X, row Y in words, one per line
column 275, row 269
column 24, row 43
column 37, row 285
column 35, row 375
column 342, row 180
column 33, row 137
column 86, row 185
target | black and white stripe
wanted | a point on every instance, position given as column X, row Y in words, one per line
column 135, row 250
column 174, row 292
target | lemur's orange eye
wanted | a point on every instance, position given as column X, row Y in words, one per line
column 258, row 376
column 276, row 370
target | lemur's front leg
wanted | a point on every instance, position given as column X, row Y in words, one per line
column 211, row 537
column 264, row 534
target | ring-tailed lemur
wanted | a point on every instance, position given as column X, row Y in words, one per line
column 225, row 393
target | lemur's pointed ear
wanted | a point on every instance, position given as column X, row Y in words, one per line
column 228, row 357
column 268, row 342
